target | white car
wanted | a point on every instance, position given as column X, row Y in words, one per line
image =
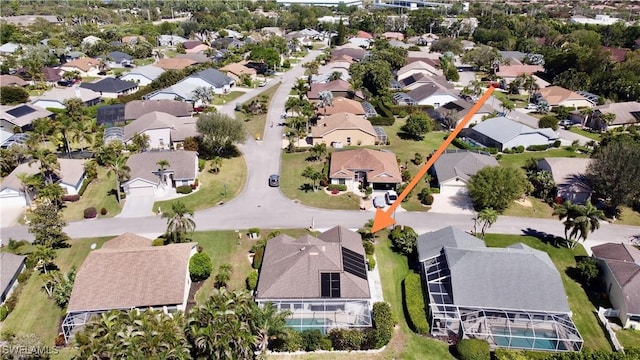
column 532, row 107
column 390, row 197
column 378, row 202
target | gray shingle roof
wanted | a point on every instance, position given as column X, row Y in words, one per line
column 518, row 278
column 461, row 164
column 424, row 91
column 9, row 266
column 430, row 244
column 291, row 267
column 136, row 108
column 181, row 164
column 119, row 56
column 110, row 85
column 149, row 71
column 214, row 77
column 502, row 129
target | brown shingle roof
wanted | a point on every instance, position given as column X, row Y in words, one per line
column 515, row 70
column 71, row 171
column 620, row 252
column 238, row 69
column 624, row 262
column 132, row 277
column 127, row 240
column 380, row 166
column 556, row 94
column 174, row 64
column 342, row 121
column 84, row 64
column 8, row 80
column 340, row 105
column 625, row 112
column 136, row 108
column 291, row 267
column 152, row 120
column 335, row 85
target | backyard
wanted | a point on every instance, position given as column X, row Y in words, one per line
column 214, row 187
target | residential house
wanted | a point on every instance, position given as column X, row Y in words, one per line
column 9, row 48
column 355, row 52
column 432, row 94
column 145, row 176
column 237, row 70
column 454, row 168
column 503, row 133
column 559, row 96
column 617, row 54
column 119, row 59
column 419, row 79
column 90, row 40
column 459, row 109
column 174, row 63
column 211, row 79
column 165, row 131
column 143, row 75
column 341, row 105
column 364, row 35
column 111, row 87
column 195, row 47
column 569, row 176
column 133, row 39
column 344, row 129
column 272, row 31
column 11, row 80
column 375, row 168
column 110, row 115
column 626, row 113
column 139, row 276
column 332, row 284
column 170, row 40
column 399, row 44
column 69, row 177
column 11, row 265
column 199, row 58
column 28, row 20
column 429, row 58
column 339, row 88
column 136, row 108
column 84, row 66
column 511, row 72
column 361, row 42
column 18, row 118
column 190, row 44
column 51, row 75
column 620, row 264
column 56, row 97
column 476, row 292
column 389, row 35
column 417, row 67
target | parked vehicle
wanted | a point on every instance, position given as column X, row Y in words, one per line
column 565, row 123
column 379, row 202
column 274, row 180
column 390, row 197
column 531, row 107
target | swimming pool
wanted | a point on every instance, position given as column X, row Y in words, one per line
column 307, row 324
column 524, row 338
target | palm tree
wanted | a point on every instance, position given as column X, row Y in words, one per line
column 216, row 164
column 269, row 323
column 313, row 175
column 319, row 150
column 579, row 220
column 507, row 106
column 336, row 75
column 326, row 99
column 293, row 104
column 41, row 128
column 49, row 164
column 301, row 88
column 531, row 85
column 118, row 166
column 29, row 183
column 141, row 141
column 202, row 94
column 607, row 119
column 44, row 256
column 81, row 134
column 179, row 221
column 586, row 112
column 64, row 127
column 163, row 164
column 487, row 217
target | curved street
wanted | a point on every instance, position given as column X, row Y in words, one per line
column 262, row 206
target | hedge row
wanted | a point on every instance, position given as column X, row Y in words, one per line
column 85, row 183
column 339, row 187
column 537, row 147
column 382, row 121
column 184, row 189
column 414, row 302
column 473, row 349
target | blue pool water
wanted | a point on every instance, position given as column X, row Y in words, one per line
column 307, row 324
column 523, row 338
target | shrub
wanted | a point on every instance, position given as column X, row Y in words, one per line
column 158, row 242
column 473, row 349
column 588, row 269
column 557, row 143
column 59, row 341
column 499, row 156
column 369, row 248
column 381, row 121
column 371, row 262
column 90, row 213
column 339, row 187
column 383, row 324
column 402, row 114
column 200, row 267
column 24, row 276
column 257, row 258
column 103, row 211
column 184, row 189
column 85, row 183
column 462, row 144
column 537, row 147
column 506, row 151
column 520, row 149
column 286, row 64
column 252, row 280
column 492, row 150
column 254, row 230
column 4, row 312
column 428, row 200
column 548, row 121
column 414, row 303
column 346, row 339
column 291, row 341
column 311, row 339
column 70, row 198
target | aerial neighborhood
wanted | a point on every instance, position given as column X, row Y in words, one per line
column 322, row 179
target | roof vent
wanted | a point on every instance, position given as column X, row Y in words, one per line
column 313, row 253
column 302, row 248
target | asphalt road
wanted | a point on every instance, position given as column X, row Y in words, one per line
column 262, row 206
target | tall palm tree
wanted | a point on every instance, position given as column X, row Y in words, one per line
column 118, row 167
column 586, row 112
column 268, row 323
column 82, row 134
column 163, row 164
column 301, row 87
column 319, row 150
column 29, row 183
column 64, row 127
column 487, row 217
column 579, row 220
column 531, row 85
column 41, row 129
column 49, row 165
column 44, row 256
column 179, row 221
column 326, row 99
column 203, row 94
column 607, row 119
column 216, row 164
column 507, row 106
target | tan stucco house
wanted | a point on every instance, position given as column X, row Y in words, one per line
column 344, row 129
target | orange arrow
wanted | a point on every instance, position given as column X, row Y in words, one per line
column 383, row 218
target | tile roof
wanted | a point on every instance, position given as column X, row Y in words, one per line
column 131, row 277
column 335, row 85
column 617, row 54
column 300, row 261
column 198, row 49
column 84, row 64
column 133, row 39
column 364, row 35
column 342, row 105
column 380, row 166
column 9, row 266
column 174, row 64
column 238, row 69
column 144, row 165
column 199, row 58
column 110, row 85
column 393, row 35
column 461, row 164
column 554, row 95
column 515, row 70
column 342, row 121
column 70, row 173
column 136, row 108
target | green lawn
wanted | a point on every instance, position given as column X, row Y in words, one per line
column 538, row 209
column 292, row 183
column 628, row 217
column 520, row 100
column 99, row 194
column 142, row 62
column 255, row 123
column 579, row 302
column 34, row 312
column 214, row 188
column 518, row 160
column 223, row 99
column 591, row 135
column 629, row 338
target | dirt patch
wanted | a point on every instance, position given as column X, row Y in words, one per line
column 524, row 202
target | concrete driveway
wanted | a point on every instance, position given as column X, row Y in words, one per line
column 452, row 204
column 10, row 214
column 137, row 205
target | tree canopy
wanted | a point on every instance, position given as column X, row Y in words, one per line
column 219, row 134
column 496, row 187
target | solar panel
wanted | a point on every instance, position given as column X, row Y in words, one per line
column 21, row 111
column 330, row 285
column 353, row 263
column 110, row 114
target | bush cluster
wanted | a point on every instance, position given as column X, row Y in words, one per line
column 369, row 248
column 414, row 303
column 103, row 211
column 200, row 267
column 313, row 340
column 70, row 198
column 425, row 196
column 381, row 121
column 339, row 187
column 90, row 213
column 252, row 280
column 537, row 147
column 473, row 349
column 371, row 262
column 257, row 258
column 347, row 339
column 85, row 183
column 158, row 242
column 184, row 189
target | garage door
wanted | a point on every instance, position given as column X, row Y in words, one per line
column 141, row 191
column 13, row 201
column 449, row 190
